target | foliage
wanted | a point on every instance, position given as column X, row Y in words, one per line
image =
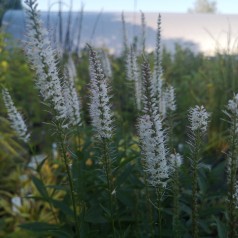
column 204, row 6
column 46, row 208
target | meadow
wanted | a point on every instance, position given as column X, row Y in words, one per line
column 97, row 145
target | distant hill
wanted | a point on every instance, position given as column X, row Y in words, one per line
column 199, row 32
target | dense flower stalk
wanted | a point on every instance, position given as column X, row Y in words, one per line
column 71, row 68
column 134, row 76
column 152, row 136
column 143, row 35
column 175, row 161
column 198, row 117
column 106, row 65
column 72, row 102
column 158, row 70
column 164, row 96
column 236, row 194
column 16, row 119
column 232, row 113
column 101, row 116
column 169, row 98
column 43, row 60
column 100, row 107
column 125, row 40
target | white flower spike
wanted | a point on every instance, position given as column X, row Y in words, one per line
column 199, row 117
column 16, row 119
column 100, row 107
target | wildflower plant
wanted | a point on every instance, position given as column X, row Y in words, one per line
column 102, row 122
column 153, row 142
column 152, row 136
column 232, row 113
column 198, row 119
column 43, row 60
column 59, row 98
column 175, row 161
column 98, row 190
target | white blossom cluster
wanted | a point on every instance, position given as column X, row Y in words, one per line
column 43, row 60
column 236, row 194
column 154, row 151
column 169, row 98
column 100, row 107
column 152, row 136
column 71, row 68
column 106, row 65
column 199, row 118
column 233, row 105
column 134, row 76
column 165, row 95
column 16, row 119
column 72, row 102
column 175, row 161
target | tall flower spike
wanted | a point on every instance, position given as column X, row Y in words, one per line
column 170, row 98
column 143, row 36
column 152, row 136
column 158, row 86
column 106, row 65
column 133, row 75
column 72, row 102
column 236, row 194
column 100, row 107
column 158, row 67
column 125, row 40
column 175, row 161
column 16, row 119
column 233, row 105
column 198, row 117
column 43, row 60
column 232, row 113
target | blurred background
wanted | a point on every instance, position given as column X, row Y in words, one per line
column 201, row 25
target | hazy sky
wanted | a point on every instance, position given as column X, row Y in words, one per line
column 224, row 6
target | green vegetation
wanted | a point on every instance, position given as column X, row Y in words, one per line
column 85, row 187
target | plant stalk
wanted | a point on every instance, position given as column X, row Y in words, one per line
column 71, row 186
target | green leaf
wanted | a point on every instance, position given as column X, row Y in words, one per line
column 221, row 228
column 94, row 215
column 63, row 207
column 39, row 227
column 40, row 187
column 45, row 228
column 123, row 176
column 38, row 169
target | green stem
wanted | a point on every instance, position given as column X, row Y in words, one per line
column 70, row 181
column 232, row 183
column 108, row 172
column 159, row 194
column 195, row 161
column 149, row 210
column 176, row 222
